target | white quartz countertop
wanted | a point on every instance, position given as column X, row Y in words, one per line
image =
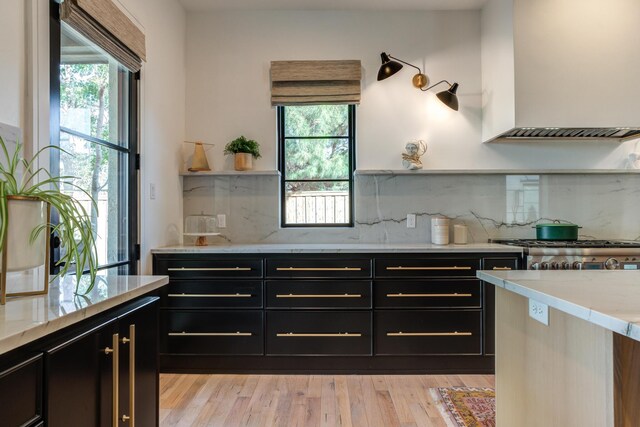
column 610, row 299
column 339, row 248
column 26, row 319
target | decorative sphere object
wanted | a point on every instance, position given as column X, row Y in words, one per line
column 414, row 150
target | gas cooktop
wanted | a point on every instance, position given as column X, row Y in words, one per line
column 533, row 243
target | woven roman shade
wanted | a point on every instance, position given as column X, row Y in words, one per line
column 315, row 82
column 102, row 22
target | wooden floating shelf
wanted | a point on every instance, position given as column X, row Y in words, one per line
column 232, row 173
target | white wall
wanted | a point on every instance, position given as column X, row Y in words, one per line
column 228, row 56
column 162, row 121
column 12, row 62
column 162, row 101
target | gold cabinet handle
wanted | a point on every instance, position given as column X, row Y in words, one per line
column 114, row 352
column 131, row 418
column 210, row 334
column 209, row 269
column 454, row 295
column 400, row 268
column 502, row 268
column 210, row 295
column 318, row 269
column 429, row 334
column 340, row 335
column 318, row 296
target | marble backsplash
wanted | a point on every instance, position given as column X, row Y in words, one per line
column 607, row 206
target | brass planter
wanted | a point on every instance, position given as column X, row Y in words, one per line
column 243, row 161
column 24, row 214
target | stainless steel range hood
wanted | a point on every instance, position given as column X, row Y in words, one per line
column 560, row 70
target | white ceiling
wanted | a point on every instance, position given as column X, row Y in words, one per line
column 201, row 5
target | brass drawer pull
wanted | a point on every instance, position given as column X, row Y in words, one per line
column 502, row 268
column 454, row 295
column 429, row 334
column 400, row 268
column 318, row 296
column 210, row 295
column 209, row 269
column 318, row 269
column 340, row 335
column 210, row 334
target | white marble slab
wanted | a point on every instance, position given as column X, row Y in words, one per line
column 610, row 299
column 26, row 319
column 341, row 248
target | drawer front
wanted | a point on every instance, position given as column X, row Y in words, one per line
column 500, row 264
column 22, row 385
column 217, row 332
column 427, row 267
column 318, row 294
column 318, row 333
column 317, row 268
column 428, row 332
column 213, row 294
column 209, row 268
column 460, row 293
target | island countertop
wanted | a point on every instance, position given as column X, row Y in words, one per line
column 340, row 248
column 26, row 319
column 610, row 299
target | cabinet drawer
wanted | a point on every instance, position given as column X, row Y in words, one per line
column 22, row 383
column 318, row 333
column 427, row 267
column 205, row 268
column 428, row 332
column 313, row 268
column 500, row 264
column 460, row 293
column 212, row 332
column 213, row 294
column 318, row 294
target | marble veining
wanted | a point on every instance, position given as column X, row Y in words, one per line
column 342, row 248
column 26, row 319
column 491, row 205
column 610, row 299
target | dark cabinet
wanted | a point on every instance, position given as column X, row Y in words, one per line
column 107, row 375
column 21, row 392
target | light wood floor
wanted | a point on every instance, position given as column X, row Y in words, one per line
column 305, row 400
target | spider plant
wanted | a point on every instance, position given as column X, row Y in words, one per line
column 74, row 226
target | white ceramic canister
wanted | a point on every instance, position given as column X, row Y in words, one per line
column 460, row 234
column 440, row 230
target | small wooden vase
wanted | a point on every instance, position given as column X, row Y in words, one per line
column 243, row 161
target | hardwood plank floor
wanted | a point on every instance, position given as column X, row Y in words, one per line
column 305, row 400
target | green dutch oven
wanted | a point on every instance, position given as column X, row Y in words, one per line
column 557, row 231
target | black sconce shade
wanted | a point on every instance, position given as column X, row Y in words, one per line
column 388, row 67
column 449, row 97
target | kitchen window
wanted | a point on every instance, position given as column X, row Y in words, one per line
column 94, row 122
column 316, row 163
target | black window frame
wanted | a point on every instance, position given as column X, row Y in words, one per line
column 130, row 265
column 351, row 138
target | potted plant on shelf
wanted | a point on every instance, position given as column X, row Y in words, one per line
column 25, row 224
column 244, row 151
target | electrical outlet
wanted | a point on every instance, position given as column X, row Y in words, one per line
column 539, row 311
column 411, row 220
column 152, row 191
column 222, row 221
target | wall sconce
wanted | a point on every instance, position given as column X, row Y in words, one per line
column 421, row 81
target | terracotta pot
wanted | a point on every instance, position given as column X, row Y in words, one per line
column 243, row 161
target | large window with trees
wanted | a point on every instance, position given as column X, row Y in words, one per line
column 316, row 162
column 94, row 122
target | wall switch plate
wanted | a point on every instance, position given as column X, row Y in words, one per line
column 539, row 311
column 222, row 221
column 411, row 220
column 152, row 191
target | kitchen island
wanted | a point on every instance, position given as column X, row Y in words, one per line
column 583, row 368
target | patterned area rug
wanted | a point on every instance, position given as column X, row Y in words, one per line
column 466, row 406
